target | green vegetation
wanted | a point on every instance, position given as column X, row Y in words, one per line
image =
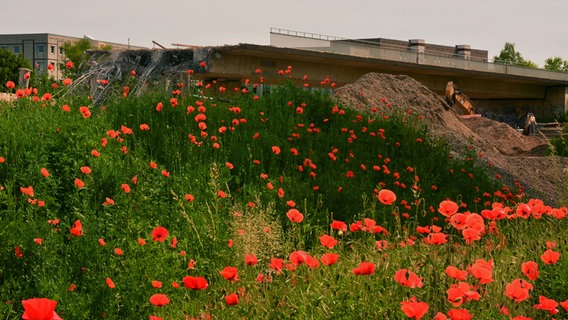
column 509, row 55
column 556, row 64
column 10, row 64
column 235, row 180
column 75, row 53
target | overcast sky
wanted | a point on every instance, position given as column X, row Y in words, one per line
column 539, row 29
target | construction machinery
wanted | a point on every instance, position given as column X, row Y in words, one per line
column 454, row 96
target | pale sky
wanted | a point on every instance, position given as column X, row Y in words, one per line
column 539, row 29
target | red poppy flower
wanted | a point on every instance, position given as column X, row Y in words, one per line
column 436, row 238
column 85, row 112
column 44, row 172
column 108, row 202
column 518, row 290
column 482, row 270
column 40, row 309
column 386, row 196
column 338, row 225
column 328, row 241
column 530, row 270
column 365, row 268
column 250, row 259
column 414, row 309
column 448, row 208
column 159, row 234
column 276, row 264
column 329, row 258
column 79, row 183
column 110, row 283
column 125, row 129
column 408, row 278
column 195, row 283
column 29, row 191
column 550, row 257
column 298, row 257
column 564, row 304
column 461, row 293
column 470, row 235
column 460, row 314
column 440, row 316
column 189, row 197
column 18, row 252
column 69, row 65
column 125, row 187
column 294, row 215
column 232, row 299
column 230, row 273
column 77, row 229
column 159, row 300
column 456, row 273
column 547, row 304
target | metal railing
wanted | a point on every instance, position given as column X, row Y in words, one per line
column 305, row 34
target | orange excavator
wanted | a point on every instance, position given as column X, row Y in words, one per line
column 455, row 96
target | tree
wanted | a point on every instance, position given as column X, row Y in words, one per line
column 556, row 64
column 10, row 64
column 510, row 56
column 75, row 52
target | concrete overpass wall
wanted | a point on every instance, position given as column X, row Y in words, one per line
column 491, row 91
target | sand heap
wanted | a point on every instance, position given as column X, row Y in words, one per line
column 513, row 155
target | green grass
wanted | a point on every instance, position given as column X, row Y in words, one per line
column 340, row 160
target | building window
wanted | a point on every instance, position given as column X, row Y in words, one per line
column 60, row 50
column 16, row 49
column 40, row 49
column 52, row 49
column 41, row 66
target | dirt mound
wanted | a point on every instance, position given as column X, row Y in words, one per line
column 512, row 154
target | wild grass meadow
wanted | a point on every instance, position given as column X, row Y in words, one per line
column 217, row 203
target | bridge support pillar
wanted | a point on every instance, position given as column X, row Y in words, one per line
column 557, row 100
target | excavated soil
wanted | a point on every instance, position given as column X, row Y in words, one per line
column 512, row 154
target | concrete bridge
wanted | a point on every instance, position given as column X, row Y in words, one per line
column 495, row 88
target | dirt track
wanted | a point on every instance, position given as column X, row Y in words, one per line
column 513, row 155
